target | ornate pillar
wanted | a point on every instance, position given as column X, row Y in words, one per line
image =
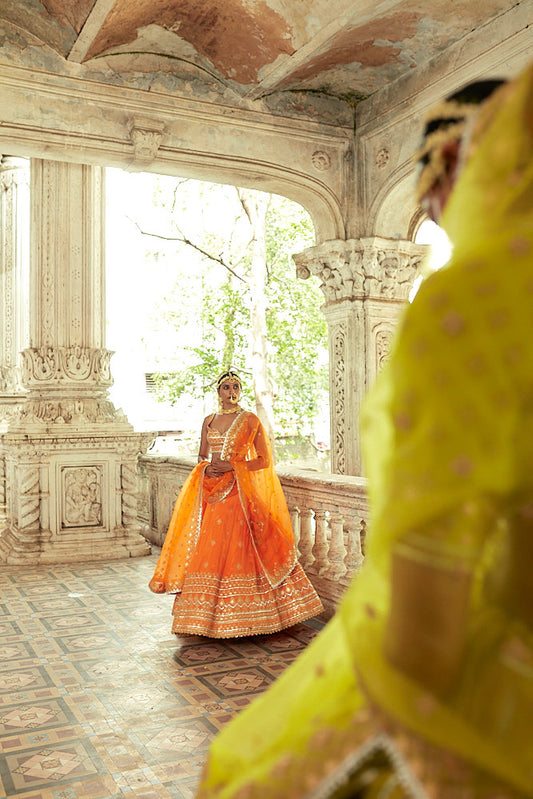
column 14, row 272
column 69, row 456
column 365, row 283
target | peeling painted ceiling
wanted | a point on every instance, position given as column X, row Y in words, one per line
column 256, row 48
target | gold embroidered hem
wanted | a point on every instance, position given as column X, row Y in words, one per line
column 226, row 607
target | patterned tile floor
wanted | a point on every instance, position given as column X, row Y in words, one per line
column 99, row 700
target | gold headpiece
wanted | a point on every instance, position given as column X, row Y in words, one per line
column 230, row 374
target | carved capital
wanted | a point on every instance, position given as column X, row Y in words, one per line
column 339, row 267
column 66, row 365
column 391, row 266
column 362, row 268
column 14, row 172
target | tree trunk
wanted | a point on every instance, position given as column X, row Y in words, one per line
column 255, row 205
column 229, row 335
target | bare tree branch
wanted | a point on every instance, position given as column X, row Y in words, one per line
column 189, row 243
column 177, row 187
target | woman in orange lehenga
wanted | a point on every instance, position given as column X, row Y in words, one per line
column 229, row 555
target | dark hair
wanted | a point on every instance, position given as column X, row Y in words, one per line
column 473, row 94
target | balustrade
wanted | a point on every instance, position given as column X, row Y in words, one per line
column 328, row 514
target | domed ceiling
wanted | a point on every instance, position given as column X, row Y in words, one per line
column 254, row 48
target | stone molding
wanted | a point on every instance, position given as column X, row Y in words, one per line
column 362, row 268
column 58, row 365
column 77, row 412
column 126, row 444
column 82, row 121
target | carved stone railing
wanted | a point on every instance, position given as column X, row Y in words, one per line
column 329, row 516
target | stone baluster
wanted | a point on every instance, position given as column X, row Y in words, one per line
column 337, row 550
column 294, row 513
column 306, row 537
column 354, row 555
column 321, row 545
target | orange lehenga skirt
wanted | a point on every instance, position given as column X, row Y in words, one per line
column 229, row 554
column 225, row 591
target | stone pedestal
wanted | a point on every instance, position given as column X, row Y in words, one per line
column 68, row 457
column 365, row 283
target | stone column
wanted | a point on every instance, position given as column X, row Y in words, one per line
column 14, row 272
column 365, row 283
column 69, row 456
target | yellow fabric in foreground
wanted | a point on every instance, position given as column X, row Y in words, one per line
column 448, row 434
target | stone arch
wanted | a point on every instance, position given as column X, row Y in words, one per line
column 394, row 206
column 312, row 194
column 417, row 218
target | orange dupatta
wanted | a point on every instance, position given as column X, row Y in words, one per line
column 261, row 498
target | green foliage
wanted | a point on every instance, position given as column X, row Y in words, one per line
column 208, row 309
column 297, row 327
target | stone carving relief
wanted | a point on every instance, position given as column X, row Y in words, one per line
column 373, row 267
column 9, row 380
column 397, row 273
column 321, row 160
column 88, row 410
column 339, row 269
column 61, row 365
column 82, row 494
column 27, row 497
column 382, row 158
column 339, row 371
column 128, row 477
column 13, row 177
column 146, row 136
column 383, row 335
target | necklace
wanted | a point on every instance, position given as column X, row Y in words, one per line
column 230, row 410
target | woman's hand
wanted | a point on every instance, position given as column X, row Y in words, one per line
column 218, row 468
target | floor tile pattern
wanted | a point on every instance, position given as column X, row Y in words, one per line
column 98, row 700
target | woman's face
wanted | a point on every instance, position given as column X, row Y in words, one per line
column 229, row 392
